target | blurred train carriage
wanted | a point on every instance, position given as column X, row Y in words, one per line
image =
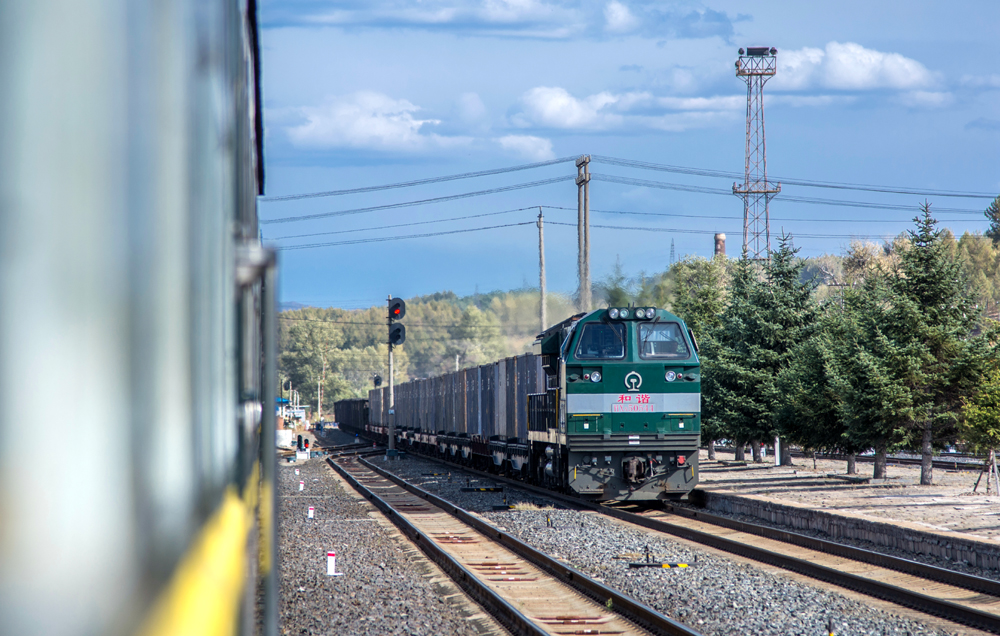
column 609, row 409
column 137, row 490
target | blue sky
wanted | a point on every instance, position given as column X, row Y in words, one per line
column 368, row 93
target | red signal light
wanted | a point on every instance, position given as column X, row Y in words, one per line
column 680, row 460
column 397, row 309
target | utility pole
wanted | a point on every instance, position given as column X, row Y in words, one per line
column 758, row 65
column 583, row 229
column 541, row 270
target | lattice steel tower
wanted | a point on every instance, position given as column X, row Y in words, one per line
column 756, row 66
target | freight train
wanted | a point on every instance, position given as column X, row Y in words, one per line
column 608, row 408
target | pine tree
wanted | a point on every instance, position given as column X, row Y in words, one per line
column 698, row 297
column 699, row 292
column 768, row 315
column 992, row 213
column 932, row 278
column 872, row 370
column 810, row 408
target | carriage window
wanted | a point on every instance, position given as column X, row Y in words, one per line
column 662, row 340
column 601, row 341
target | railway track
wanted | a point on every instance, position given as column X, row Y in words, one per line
column 947, row 594
column 527, row 591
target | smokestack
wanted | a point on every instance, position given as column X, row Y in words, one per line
column 720, row 244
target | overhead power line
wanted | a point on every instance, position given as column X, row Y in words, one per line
column 380, row 239
column 408, row 184
column 617, row 212
column 736, row 218
column 645, row 165
column 793, row 199
column 685, row 231
column 406, row 204
column 387, row 227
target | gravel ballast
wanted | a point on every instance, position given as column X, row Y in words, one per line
column 386, row 588
column 717, row 596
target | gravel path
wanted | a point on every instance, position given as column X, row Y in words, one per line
column 384, row 589
column 947, row 506
column 715, row 595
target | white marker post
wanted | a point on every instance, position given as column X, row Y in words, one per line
column 302, row 486
column 311, row 511
column 296, row 472
column 331, row 564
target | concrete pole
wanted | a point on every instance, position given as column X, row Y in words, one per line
column 586, row 235
column 541, row 271
column 579, row 233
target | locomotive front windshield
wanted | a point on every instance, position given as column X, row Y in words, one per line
column 601, row 341
column 662, row 340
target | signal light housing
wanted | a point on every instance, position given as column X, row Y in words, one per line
column 397, row 334
column 397, row 309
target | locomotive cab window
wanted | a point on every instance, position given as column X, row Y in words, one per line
column 662, row 340
column 601, row 341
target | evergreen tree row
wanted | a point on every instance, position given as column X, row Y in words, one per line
column 900, row 358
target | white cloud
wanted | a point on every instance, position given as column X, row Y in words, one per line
column 367, row 120
column 686, row 120
column 797, row 101
column 981, row 81
column 515, row 10
column 527, row 146
column 471, row 108
column 927, row 99
column 720, row 102
column 849, row 66
column 618, row 18
column 555, row 107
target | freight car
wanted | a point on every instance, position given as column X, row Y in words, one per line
column 609, row 409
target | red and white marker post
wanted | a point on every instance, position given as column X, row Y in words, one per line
column 311, row 511
column 296, row 472
column 302, row 486
column 331, row 564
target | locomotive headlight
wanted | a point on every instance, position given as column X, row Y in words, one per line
column 595, row 376
column 613, row 313
column 624, row 313
column 671, row 376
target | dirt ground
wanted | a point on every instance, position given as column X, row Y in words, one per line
column 947, row 506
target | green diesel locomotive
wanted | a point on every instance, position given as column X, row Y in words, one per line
column 622, row 417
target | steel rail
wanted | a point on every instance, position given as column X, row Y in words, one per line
column 899, row 564
column 921, row 602
column 497, row 607
column 624, row 605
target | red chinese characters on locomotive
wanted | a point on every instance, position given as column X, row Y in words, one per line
column 632, row 403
